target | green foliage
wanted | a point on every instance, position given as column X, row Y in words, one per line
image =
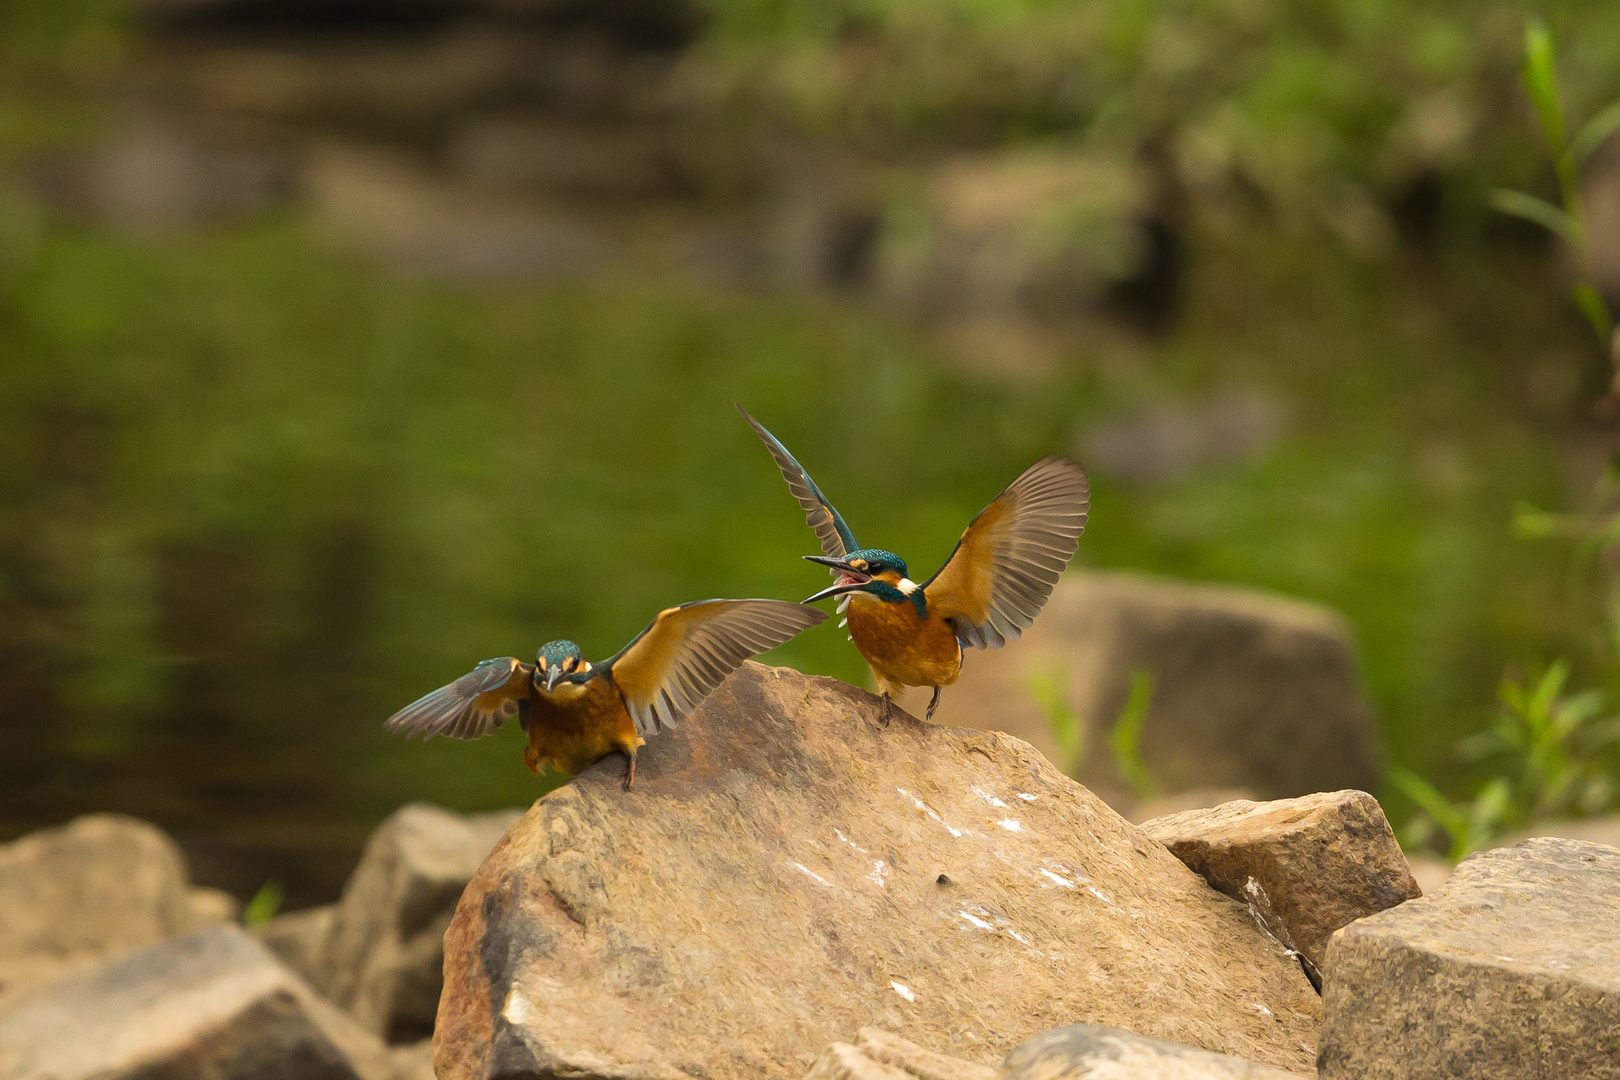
column 1050, row 691
column 1569, row 221
column 1322, row 112
column 264, row 904
column 1552, row 754
column 1125, row 737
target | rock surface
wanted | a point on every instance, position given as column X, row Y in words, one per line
column 1511, row 970
column 1082, row 1051
column 1318, row 862
column 212, row 1004
column 98, row 886
column 1249, row 689
column 299, row 939
column 383, row 957
column 787, row 869
column 878, row 1055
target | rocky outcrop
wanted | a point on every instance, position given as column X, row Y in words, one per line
column 100, row 885
column 788, row 869
column 211, row 1004
column 1248, row 689
column 878, row 1055
column 1307, row 865
column 382, row 958
column 1510, row 970
column 1082, row 1050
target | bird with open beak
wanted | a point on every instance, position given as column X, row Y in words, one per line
column 988, row 592
column 576, row 712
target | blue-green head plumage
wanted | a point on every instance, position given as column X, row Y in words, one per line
column 877, row 561
column 559, row 660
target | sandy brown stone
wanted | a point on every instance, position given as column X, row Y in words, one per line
column 383, row 957
column 213, row 1004
column 1510, row 970
column 788, row 870
column 1084, row 1052
column 98, row 885
column 1319, row 862
column 1250, row 689
column 880, row 1055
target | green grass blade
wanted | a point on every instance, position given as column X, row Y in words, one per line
column 1538, row 211
column 1125, row 740
column 1595, row 131
column 1597, row 313
column 265, row 903
column 1541, row 80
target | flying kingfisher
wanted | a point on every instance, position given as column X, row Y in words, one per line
column 577, row 713
column 987, row 593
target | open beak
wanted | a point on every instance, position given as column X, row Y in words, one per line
column 553, row 673
column 849, row 578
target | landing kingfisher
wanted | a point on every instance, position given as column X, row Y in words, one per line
column 577, row 713
column 987, row 593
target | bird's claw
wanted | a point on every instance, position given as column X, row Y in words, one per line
column 933, row 703
column 630, row 773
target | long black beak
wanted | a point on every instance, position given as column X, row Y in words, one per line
column 553, row 673
column 843, row 585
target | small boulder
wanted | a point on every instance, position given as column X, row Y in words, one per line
column 382, row 958
column 98, row 885
column 1081, row 1051
column 211, row 1004
column 787, row 868
column 878, row 1055
column 299, row 939
column 1248, row 689
column 1510, row 970
column 1314, row 864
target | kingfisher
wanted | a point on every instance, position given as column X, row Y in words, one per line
column 576, row 712
column 988, row 592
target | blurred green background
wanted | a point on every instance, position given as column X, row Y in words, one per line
column 262, row 481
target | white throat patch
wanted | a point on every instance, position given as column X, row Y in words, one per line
column 907, row 586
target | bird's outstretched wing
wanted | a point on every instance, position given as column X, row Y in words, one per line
column 836, row 539
column 473, row 706
column 1004, row 567
column 671, row 666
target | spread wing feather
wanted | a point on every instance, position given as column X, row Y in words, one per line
column 676, row 662
column 473, row 706
column 836, row 539
column 1007, row 562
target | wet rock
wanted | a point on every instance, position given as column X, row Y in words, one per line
column 531, row 156
column 1081, row 1051
column 299, row 939
column 386, row 207
column 1316, row 863
column 787, row 869
column 211, row 1004
column 98, row 885
column 1171, row 440
column 878, row 1055
column 382, row 959
column 1511, row 969
column 1248, row 689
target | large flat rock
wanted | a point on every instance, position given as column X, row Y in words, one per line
column 1308, row 865
column 787, row 870
column 213, row 1005
column 1250, row 689
column 1510, row 970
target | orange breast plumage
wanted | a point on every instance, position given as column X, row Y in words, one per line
column 903, row 646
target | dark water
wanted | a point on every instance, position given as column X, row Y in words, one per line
column 253, row 498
